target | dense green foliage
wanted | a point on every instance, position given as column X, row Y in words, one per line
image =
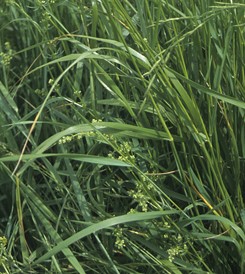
column 122, row 142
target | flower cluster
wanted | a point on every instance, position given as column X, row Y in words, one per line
column 45, row 20
column 70, row 138
column 140, row 197
column 7, row 263
column 77, row 93
column 7, row 55
column 96, row 121
column 3, row 243
column 125, row 149
column 78, row 136
column 51, row 83
column 41, row 92
column 3, row 258
column 120, row 242
column 177, row 250
column 140, row 194
column 45, row 2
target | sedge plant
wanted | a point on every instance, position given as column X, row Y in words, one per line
column 122, row 136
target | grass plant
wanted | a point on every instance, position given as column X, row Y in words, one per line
column 122, row 142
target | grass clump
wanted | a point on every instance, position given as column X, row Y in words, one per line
column 122, row 137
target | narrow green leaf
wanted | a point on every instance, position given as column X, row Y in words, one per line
column 213, row 93
column 73, row 156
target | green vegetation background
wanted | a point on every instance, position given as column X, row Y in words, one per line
column 122, row 142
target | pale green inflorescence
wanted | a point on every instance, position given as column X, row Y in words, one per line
column 45, row 2
column 120, row 242
column 177, row 250
column 3, row 258
column 7, row 55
